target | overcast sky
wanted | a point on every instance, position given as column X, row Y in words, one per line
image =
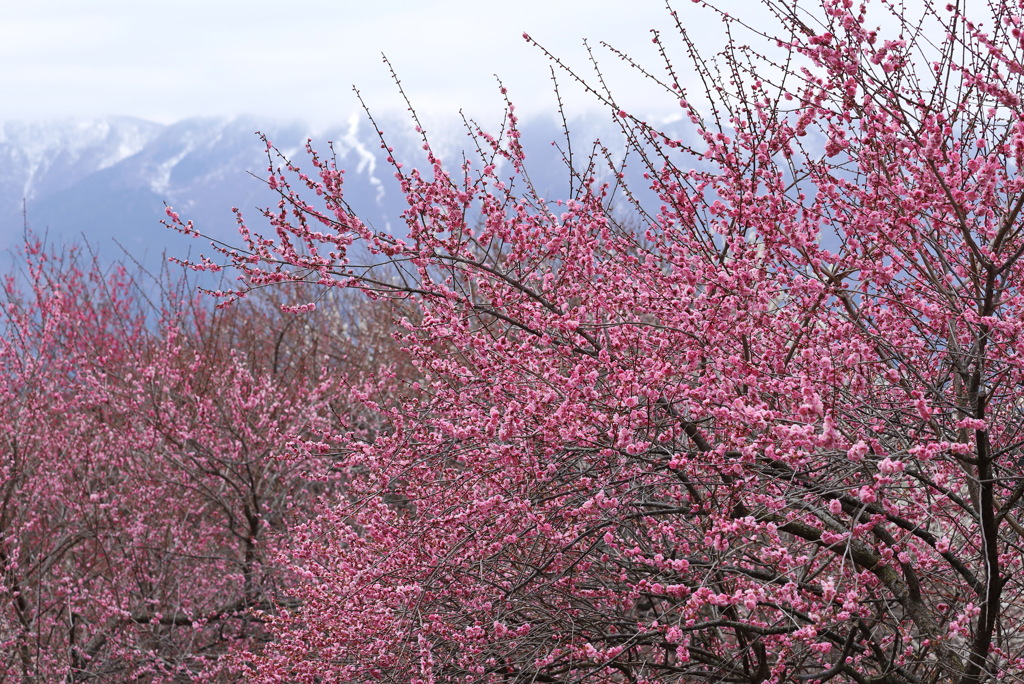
column 168, row 60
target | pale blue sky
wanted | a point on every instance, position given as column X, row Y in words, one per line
column 168, row 60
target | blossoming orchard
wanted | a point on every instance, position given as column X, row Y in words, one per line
column 744, row 404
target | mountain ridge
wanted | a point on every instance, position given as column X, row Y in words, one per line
column 107, row 180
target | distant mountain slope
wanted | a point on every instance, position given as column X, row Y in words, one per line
column 108, row 179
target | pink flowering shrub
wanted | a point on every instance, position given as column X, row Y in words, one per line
column 767, row 429
column 144, row 489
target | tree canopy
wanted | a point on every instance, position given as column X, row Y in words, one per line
column 764, row 426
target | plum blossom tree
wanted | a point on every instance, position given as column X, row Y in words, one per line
column 143, row 493
column 768, row 429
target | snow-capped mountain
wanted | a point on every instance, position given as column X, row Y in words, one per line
column 108, row 180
